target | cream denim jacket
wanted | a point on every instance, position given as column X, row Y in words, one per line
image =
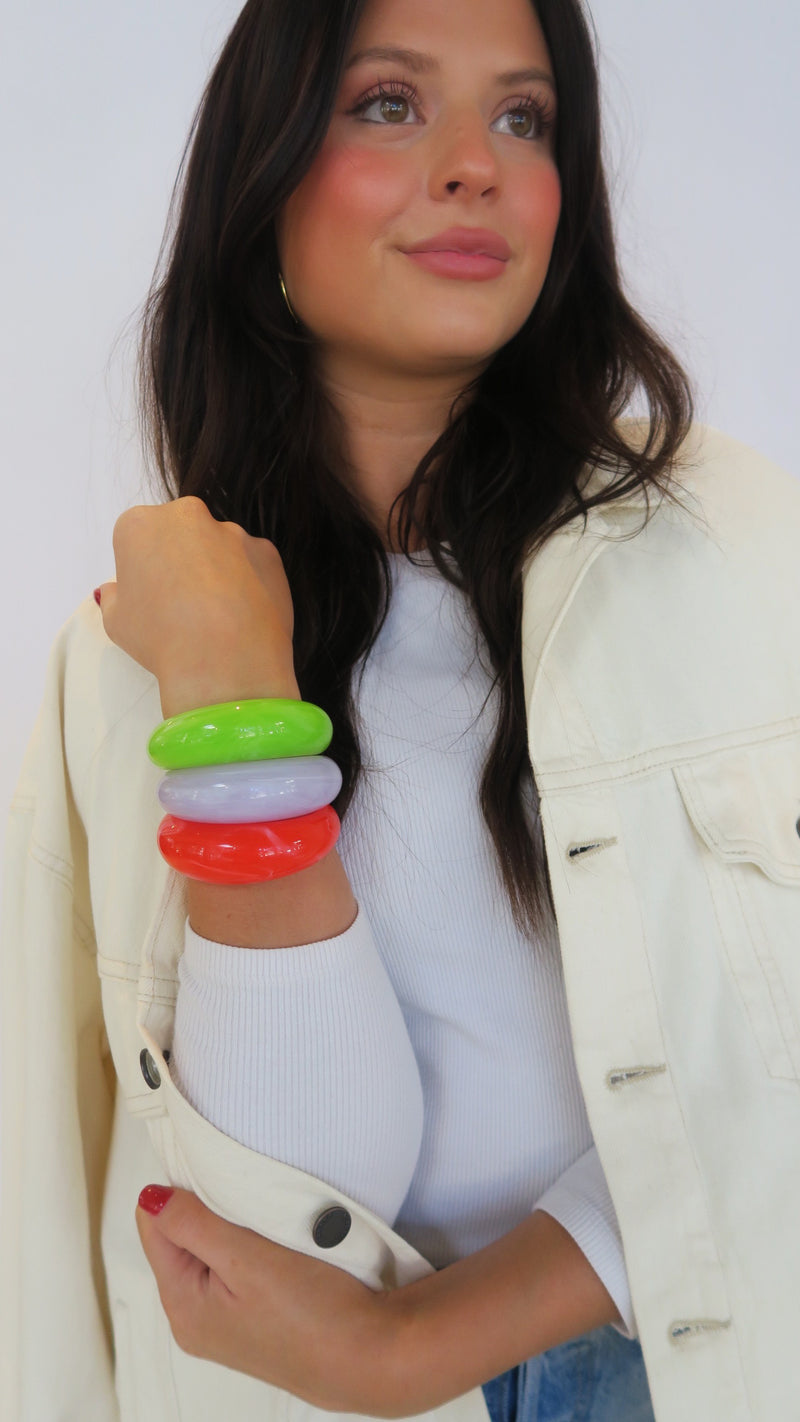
column 662, row 677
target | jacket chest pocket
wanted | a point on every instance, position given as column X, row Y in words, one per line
column 745, row 806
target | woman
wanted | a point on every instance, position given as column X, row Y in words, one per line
column 535, row 1088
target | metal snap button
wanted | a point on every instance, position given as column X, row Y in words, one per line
column 331, row 1227
column 150, row 1071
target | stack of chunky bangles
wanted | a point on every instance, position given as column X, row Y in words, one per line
column 247, row 790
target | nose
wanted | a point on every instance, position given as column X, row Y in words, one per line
column 463, row 155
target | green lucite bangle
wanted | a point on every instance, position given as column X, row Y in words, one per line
column 240, row 730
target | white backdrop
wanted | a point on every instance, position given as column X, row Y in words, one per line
column 95, row 103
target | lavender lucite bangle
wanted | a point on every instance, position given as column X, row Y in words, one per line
column 246, row 792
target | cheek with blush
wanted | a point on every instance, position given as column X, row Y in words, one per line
column 539, row 213
column 349, row 199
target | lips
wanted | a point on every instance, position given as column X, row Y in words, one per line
column 472, row 240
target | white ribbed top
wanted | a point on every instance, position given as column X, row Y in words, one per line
column 422, row 1061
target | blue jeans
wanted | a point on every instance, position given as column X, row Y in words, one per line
column 599, row 1377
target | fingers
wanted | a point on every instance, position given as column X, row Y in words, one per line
column 105, row 596
column 191, row 591
column 129, row 520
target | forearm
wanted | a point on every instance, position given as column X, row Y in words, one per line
column 455, row 1329
column 301, row 908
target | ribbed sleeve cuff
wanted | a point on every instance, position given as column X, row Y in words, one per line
column 235, row 967
column 303, row 1054
column 581, row 1203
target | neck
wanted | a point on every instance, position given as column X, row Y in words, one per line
column 391, row 420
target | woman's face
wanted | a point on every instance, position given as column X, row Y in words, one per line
column 458, row 140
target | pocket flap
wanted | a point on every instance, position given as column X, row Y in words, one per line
column 745, row 804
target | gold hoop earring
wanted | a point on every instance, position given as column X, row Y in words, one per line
column 286, row 299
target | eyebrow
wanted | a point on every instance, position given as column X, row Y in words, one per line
column 420, row 63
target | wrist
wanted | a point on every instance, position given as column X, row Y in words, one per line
column 531, row 1290
column 182, row 692
column 389, row 1385
column 396, row 1386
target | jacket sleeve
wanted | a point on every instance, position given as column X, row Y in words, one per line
column 58, row 1089
column 92, row 929
column 138, row 911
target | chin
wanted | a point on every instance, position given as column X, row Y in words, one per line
column 463, row 352
column 460, row 334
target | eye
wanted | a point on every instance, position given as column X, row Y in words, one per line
column 396, row 97
column 534, row 110
column 395, row 93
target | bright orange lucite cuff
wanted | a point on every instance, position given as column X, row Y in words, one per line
column 247, row 853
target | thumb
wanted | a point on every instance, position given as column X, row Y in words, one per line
column 181, row 1277
column 185, row 1239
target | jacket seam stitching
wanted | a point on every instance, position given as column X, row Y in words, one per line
column 742, row 996
column 23, row 800
column 666, row 759
column 62, row 870
column 743, row 850
column 148, row 973
column 53, row 863
column 108, row 733
column 128, row 973
column 790, row 1047
column 734, row 1331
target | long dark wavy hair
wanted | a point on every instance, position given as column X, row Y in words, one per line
column 233, row 412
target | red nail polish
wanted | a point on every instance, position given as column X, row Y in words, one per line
column 97, row 596
column 154, row 1197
